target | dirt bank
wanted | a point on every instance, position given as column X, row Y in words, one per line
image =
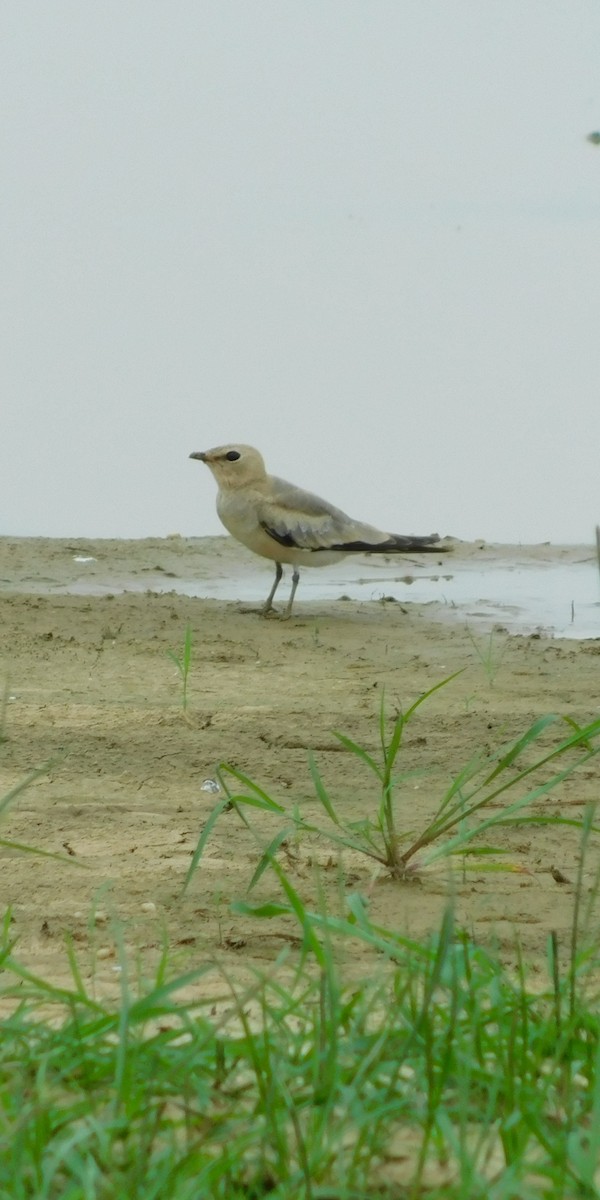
column 93, row 693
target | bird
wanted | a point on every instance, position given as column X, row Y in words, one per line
column 287, row 524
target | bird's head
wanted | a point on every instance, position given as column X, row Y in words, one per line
column 233, row 466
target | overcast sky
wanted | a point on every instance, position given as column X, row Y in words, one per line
column 363, row 235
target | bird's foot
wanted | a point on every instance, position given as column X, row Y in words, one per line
column 250, row 609
column 273, row 614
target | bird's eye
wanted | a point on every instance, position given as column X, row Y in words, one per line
column 232, row 456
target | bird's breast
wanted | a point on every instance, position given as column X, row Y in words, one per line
column 239, row 515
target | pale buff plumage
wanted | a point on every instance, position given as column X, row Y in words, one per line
column 287, row 524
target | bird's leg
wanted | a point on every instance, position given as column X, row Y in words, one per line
column 268, row 604
column 295, row 580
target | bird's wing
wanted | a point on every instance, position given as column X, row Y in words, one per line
column 300, row 519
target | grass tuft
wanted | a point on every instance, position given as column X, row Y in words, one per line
column 512, row 779
column 183, row 664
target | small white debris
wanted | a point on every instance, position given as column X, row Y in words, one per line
column 84, row 558
column 580, row 1080
column 210, row 785
column 406, row 1072
column 148, row 907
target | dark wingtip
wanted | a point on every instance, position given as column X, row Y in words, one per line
column 396, row 544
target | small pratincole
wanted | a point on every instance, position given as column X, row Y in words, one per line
column 288, row 525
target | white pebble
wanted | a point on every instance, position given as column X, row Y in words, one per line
column 105, row 952
column 148, row 906
column 580, row 1080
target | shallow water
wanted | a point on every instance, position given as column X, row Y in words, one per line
column 560, row 599
column 524, row 589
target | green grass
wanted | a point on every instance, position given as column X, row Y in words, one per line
column 10, row 797
column 183, row 664
column 489, row 653
column 512, row 780
column 442, row 1075
column 4, row 699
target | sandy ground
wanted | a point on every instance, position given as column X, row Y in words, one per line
column 93, row 693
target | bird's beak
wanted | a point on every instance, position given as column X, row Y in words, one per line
column 199, row 454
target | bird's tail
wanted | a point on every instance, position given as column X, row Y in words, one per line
column 420, row 545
